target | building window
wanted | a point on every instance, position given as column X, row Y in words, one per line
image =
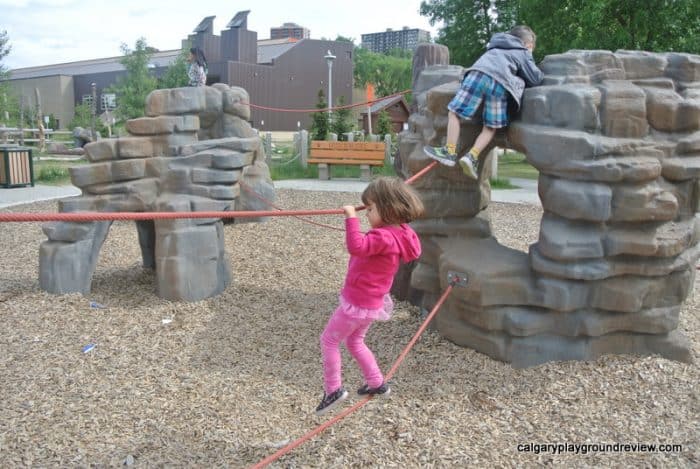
column 109, row 101
column 87, row 100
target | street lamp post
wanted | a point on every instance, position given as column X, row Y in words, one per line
column 329, row 60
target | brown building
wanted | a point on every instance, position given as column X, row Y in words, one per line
column 292, row 30
column 396, row 107
column 280, row 75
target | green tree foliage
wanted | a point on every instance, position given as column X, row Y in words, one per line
column 342, row 119
column 83, row 118
column 345, row 39
column 384, row 126
column 176, row 74
column 132, row 89
column 468, row 24
column 389, row 74
column 9, row 104
column 320, row 125
column 652, row 25
column 5, row 49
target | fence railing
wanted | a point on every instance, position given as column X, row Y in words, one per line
column 29, row 135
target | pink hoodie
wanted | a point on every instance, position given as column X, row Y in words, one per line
column 374, row 259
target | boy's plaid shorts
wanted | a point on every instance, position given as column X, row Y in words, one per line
column 477, row 87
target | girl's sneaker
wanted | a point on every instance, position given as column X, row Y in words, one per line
column 382, row 389
column 441, row 154
column 331, row 400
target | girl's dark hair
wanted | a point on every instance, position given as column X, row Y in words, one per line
column 395, row 200
column 199, row 56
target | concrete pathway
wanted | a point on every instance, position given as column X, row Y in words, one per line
column 526, row 194
column 25, row 195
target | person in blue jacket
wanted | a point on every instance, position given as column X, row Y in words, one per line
column 502, row 72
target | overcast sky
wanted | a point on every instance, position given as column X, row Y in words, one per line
column 43, row 32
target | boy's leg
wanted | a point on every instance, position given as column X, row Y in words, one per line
column 464, row 104
column 495, row 116
column 470, row 161
column 483, row 139
column 453, row 129
column 364, row 356
column 447, row 155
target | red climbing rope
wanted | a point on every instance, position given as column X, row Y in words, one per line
column 269, row 203
column 294, row 444
column 106, row 216
column 346, row 106
column 421, row 172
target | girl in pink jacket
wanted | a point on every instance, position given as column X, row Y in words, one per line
column 374, row 259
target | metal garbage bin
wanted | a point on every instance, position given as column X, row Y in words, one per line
column 16, row 166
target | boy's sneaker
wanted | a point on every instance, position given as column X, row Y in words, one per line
column 469, row 165
column 382, row 389
column 331, row 400
column 441, row 154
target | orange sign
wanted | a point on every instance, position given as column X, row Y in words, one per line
column 370, row 92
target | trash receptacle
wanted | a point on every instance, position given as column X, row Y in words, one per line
column 16, row 166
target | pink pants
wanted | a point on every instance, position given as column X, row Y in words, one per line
column 341, row 328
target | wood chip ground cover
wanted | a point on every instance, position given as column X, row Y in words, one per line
column 229, row 380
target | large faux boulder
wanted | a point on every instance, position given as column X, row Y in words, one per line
column 193, row 152
column 615, row 136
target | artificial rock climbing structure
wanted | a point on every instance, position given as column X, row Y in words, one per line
column 616, row 139
column 191, row 153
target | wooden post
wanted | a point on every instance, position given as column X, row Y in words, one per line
column 21, row 119
column 93, row 123
column 40, row 121
column 268, row 147
column 304, row 148
column 387, row 150
column 493, row 154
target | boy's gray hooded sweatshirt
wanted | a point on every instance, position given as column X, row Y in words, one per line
column 510, row 63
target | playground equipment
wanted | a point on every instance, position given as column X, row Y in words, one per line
column 616, row 138
column 188, row 155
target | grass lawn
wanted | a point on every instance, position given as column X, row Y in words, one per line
column 54, row 173
column 515, row 165
column 286, row 166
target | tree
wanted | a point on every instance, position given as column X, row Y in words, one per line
column 388, row 74
column 652, row 25
column 9, row 104
column 320, row 126
column 82, row 117
column 132, row 89
column 667, row 25
column 345, row 39
column 176, row 74
column 384, row 125
column 468, row 24
column 5, row 49
column 342, row 119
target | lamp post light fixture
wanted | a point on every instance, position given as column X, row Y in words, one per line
column 329, row 60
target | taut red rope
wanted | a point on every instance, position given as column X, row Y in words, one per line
column 346, row 106
column 299, row 441
column 106, row 216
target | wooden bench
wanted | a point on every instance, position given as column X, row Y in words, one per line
column 365, row 154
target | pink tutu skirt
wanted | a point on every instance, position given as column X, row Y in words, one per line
column 356, row 312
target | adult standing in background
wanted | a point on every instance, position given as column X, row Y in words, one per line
column 197, row 71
